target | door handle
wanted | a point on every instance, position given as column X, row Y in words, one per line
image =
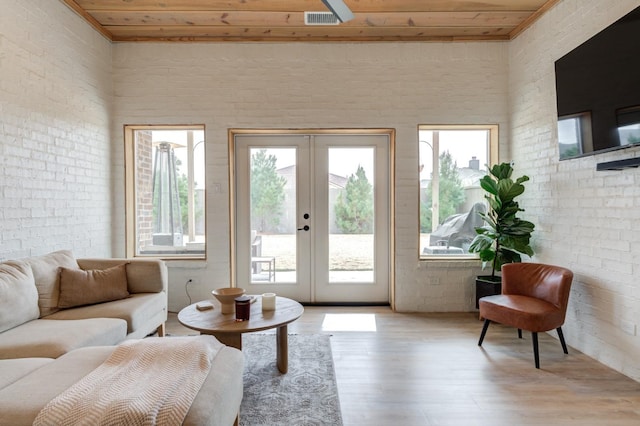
column 304, row 228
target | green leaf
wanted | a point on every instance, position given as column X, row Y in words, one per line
column 487, row 255
column 489, row 185
column 502, row 171
column 507, row 190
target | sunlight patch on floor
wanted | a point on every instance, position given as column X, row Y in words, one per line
column 349, row 322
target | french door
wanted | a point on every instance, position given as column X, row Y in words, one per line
column 312, row 215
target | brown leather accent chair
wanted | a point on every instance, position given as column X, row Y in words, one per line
column 534, row 298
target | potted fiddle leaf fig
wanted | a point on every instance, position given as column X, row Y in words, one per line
column 505, row 237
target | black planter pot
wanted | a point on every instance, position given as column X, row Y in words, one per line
column 487, row 285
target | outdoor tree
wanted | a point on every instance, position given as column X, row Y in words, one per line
column 354, row 206
column 451, row 193
column 183, row 197
column 425, row 215
column 267, row 191
column 183, row 190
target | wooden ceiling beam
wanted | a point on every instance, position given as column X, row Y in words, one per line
column 244, row 18
column 314, row 5
column 302, row 33
column 245, row 39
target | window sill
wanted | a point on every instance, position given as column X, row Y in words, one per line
column 446, row 258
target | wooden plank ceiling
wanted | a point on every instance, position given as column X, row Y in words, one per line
column 283, row 20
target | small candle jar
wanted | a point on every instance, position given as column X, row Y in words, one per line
column 269, row 302
column 243, row 308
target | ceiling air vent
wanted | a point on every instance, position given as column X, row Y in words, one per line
column 320, row 18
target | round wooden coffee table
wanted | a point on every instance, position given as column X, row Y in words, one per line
column 229, row 331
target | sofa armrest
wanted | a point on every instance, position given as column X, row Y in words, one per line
column 143, row 275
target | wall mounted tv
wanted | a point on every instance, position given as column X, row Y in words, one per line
column 598, row 91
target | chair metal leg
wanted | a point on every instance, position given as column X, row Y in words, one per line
column 561, row 336
column 484, row 331
column 519, row 334
column 536, row 357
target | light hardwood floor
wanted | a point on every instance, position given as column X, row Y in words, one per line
column 427, row 369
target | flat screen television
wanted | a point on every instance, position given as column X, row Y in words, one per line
column 598, row 91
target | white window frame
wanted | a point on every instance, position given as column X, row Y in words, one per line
column 492, row 153
column 190, row 248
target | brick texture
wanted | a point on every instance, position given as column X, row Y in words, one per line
column 55, row 147
column 586, row 220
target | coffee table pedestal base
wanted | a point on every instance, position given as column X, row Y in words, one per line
column 282, row 345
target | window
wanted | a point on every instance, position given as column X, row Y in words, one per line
column 165, row 191
column 574, row 135
column 453, row 159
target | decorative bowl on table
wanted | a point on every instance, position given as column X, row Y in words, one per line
column 227, row 298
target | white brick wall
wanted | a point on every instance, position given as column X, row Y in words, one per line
column 314, row 86
column 587, row 221
column 55, row 147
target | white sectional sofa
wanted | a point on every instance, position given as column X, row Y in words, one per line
column 49, row 304
column 61, row 317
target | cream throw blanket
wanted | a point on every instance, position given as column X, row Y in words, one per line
column 144, row 382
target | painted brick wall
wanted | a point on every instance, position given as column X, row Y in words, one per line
column 55, row 147
column 586, row 220
column 314, row 86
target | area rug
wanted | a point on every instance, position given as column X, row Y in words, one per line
column 306, row 395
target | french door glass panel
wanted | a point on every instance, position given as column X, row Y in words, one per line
column 351, row 214
column 273, row 220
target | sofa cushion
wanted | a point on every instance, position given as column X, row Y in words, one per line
column 216, row 404
column 18, row 295
column 52, row 338
column 144, row 312
column 21, row 402
column 12, row 370
column 47, row 278
column 218, row 401
column 79, row 287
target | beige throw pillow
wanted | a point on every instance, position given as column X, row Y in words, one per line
column 18, row 295
column 47, row 277
column 79, row 287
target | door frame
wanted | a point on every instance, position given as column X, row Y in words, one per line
column 391, row 133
